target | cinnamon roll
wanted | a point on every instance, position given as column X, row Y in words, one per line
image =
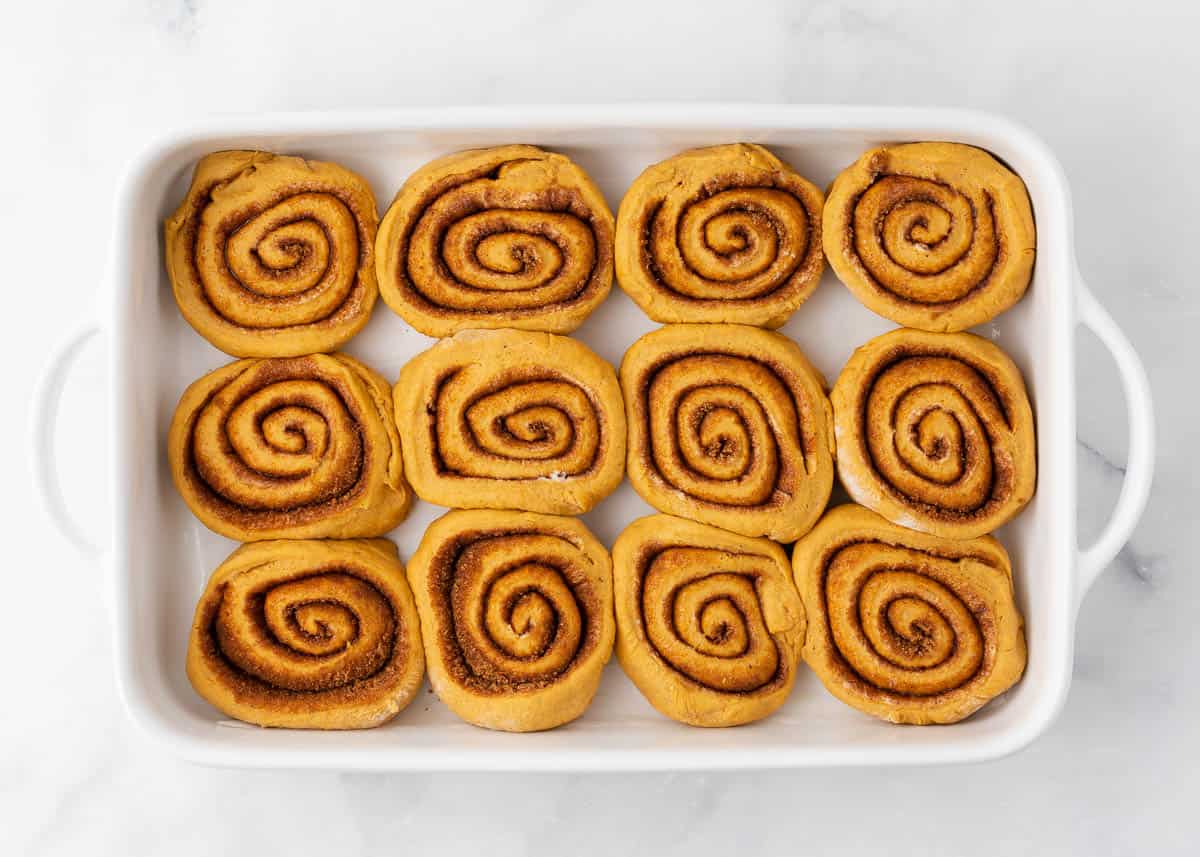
column 299, row 447
column 905, row 626
column 308, row 635
column 728, row 425
column 517, row 616
column 935, row 432
column 709, row 626
column 937, row 236
column 724, row 234
column 506, row 419
column 273, row 256
column 512, row 237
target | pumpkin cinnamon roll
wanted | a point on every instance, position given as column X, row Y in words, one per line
column 724, row 234
column 935, row 432
column 308, row 635
column 905, row 626
column 938, row 236
column 728, row 425
column 709, row 626
column 517, row 616
column 512, row 237
column 299, row 447
column 273, row 256
column 506, row 419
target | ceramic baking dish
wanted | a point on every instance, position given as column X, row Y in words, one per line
column 161, row 555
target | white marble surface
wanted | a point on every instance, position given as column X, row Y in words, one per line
column 1106, row 84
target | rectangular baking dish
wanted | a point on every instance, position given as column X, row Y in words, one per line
column 161, row 555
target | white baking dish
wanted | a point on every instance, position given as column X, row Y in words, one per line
column 161, row 555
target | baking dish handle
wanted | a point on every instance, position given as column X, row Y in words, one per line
column 45, row 416
column 1139, row 467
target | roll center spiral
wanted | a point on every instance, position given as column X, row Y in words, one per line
column 515, row 615
column 498, row 251
column 922, row 240
column 298, row 256
column 935, row 437
column 285, row 444
column 702, row 611
column 898, row 624
column 310, row 633
column 738, row 243
column 524, row 429
column 721, row 441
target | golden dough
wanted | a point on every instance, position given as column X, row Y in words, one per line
column 518, row 616
column 506, row 419
column 507, row 237
column 273, row 256
column 724, row 234
column 935, row 432
column 298, row 447
column 709, row 626
column 728, row 425
column 937, row 236
column 905, row 626
column 308, row 635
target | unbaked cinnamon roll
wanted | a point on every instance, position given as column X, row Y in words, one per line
column 935, row 432
column 273, row 256
column 511, row 237
column 905, row 626
column 723, row 234
column 506, row 419
column 299, row 447
column 728, row 425
column 308, row 635
column 937, row 236
column 709, row 626
column 517, row 616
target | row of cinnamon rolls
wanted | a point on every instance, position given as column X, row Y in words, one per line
column 514, row 615
column 728, row 426
column 277, row 256
column 725, row 424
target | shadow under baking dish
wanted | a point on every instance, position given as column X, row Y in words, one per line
column 163, row 555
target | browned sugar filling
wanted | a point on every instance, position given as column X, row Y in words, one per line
column 912, row 645
column 463, row 659
column 505, row 379
column 718, row 451
column 237, row 220
column 849, row 252
column 651, row 227
column 552, row 200
column 339, row 689
column 1002, row 475
column 644, row 559
column 348, row 487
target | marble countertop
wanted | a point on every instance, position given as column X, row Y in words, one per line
column 84, row 83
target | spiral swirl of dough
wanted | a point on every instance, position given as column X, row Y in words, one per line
column 935, row 432
column 510, row 419
column 308, row 634
column 723, row 234
column 273, row 256
column 908, row 627
column 709, row 626
column 518, row 612
column 728, row 425
column 937, row 236
column 300, row 447
column 511, row 237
